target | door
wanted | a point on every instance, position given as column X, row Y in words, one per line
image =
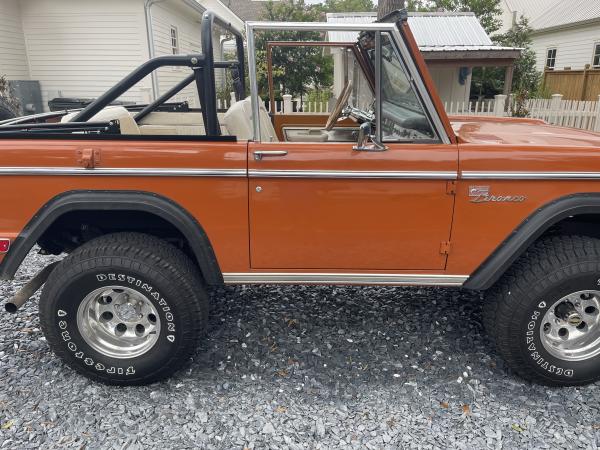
column 328, row 206
column 331, row 207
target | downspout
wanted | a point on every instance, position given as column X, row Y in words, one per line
column 150, row 36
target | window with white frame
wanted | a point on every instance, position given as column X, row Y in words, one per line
column 551, row 58
column 596, row 58
column 174, row 40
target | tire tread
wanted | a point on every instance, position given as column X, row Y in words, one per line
column 141, row 251
column 549, row 260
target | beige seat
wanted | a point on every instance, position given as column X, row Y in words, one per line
column 172, row 130
column 238, row 121
column 161, row 123
column 126, row 121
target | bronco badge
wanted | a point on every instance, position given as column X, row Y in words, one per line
column 481, row 194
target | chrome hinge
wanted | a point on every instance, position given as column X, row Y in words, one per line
column 451, row 187
column 445, row 248
column 88, row 158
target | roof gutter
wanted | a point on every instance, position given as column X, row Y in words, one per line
column 565, row 26
column 194, row 5
column 150, row 36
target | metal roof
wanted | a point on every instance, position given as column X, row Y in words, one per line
column 438, row 31
column 567, row 13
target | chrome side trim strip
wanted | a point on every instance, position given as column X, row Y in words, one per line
column 135, row 172
column 343, row 278
column 254, row 173
column 468, row 175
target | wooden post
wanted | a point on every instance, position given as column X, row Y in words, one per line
column 585, row 82
column 508, row 79
column 544, row 78
column 387, row 6
column 597, row 125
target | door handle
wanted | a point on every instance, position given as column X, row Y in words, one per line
column 260, row 154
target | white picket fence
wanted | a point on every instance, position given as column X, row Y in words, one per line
column 290, row 106
column 287, row 105
column 566, row 113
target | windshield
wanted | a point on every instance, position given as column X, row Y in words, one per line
column 403, row 116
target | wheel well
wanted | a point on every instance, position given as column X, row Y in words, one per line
column 582, row 225
column 577, row 214
column 75, row 217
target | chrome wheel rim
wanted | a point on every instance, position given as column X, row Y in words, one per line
column 118, row 322
column 570, row 329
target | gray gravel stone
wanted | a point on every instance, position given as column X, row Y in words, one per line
column 298, row 367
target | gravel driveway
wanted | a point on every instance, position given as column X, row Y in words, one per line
column 299, row 367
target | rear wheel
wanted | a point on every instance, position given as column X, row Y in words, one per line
column 124, row 309
column 544, row 314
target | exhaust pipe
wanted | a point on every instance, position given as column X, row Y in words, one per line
column 27, row 291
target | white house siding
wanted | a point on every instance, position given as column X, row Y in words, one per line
column 81, row 49
column 187, row 22
column 446, row 80
column 574, row 46
column 13, row 56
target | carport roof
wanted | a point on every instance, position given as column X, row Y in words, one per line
column 433, row 31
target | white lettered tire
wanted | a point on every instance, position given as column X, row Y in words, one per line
column 544, row 314
column 124, row 309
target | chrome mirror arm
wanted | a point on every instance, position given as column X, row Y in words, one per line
column 365, row 132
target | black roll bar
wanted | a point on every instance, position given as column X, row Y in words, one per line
column 166, row 96
column 67, row 127
column 208, row 82
column 203, row 67
column 177, row 89
column 132, row 79
column 208, row 20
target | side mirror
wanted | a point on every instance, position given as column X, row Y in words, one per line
column 364, row 134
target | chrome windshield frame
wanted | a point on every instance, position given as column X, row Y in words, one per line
column 392, row 28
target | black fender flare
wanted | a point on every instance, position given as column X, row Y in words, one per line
column 114, row 200
column 527, row 232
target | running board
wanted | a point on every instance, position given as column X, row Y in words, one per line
column 345, row 278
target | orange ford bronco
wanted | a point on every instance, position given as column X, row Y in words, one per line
column 153, row 204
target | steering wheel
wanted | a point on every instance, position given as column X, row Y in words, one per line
column 339, row 106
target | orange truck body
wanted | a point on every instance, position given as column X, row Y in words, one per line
column 318, row 224
column 331, row 215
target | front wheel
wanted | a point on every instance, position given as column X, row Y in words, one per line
column 124, row 309
column 544, row 314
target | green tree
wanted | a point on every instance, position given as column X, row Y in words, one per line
column 526, row 77
column 295, row 69
column 487, row 11
column 419, row 5
column 346, row 6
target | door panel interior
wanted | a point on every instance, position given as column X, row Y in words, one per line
column 304, row 120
